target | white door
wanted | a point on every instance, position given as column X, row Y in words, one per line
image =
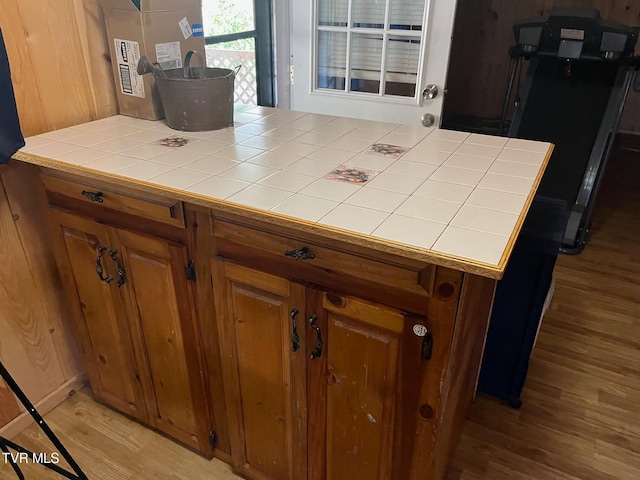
column 370, row 59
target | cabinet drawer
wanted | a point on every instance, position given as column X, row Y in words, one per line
column 101, row 194
column 329, row 261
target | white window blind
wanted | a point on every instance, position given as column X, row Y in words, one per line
column 363, row 45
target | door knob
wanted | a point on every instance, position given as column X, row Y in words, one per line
column 428, row 120
column 430, row 92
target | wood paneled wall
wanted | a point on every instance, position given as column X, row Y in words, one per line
column 479, row 66
column 59, row 60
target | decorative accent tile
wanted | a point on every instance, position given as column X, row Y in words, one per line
column 174, row 141
column 386, row 150
column 351, row 175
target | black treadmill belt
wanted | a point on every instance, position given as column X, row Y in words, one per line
column 567, row 110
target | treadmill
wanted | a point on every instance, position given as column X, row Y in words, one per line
column 580, row 70
column 579, row 74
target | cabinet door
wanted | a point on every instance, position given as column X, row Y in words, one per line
column 162, row 321
column 99, row 312
column 264, row 371
column 364, row 389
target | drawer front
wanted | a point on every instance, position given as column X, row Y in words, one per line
column 96, row 193
column 329, row 260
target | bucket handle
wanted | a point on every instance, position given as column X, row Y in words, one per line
column 187, row 71
column 235, row 71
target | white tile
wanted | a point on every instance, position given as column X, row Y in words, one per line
column 125, row 120
column 467, row 161
column 111, row 163
column 179, row 178
column 237, row 152
column 305, row 207
column 146, row 151
column 414, row 130
column 394, row 183
column 248, row 172
column 33, row 142
column 218, row 187
column 53, row 149
column 212, row 165
column 246, row 117
column 120, row 131
column 437, row 144
column 263, row 143
column 450, row 135
column 330, row 190
column 335, row 129
column 82, row 156
column 259, row 196
column 96, row 125
column 308, row 166
column 283, row 133
column 273, row 160
column 332, row 155
column 448, row 192
column 116, row 145
column 471, row 244
column 296, row 148
column 289, row 181
column 371, row 136
column 522, row 156
column 88, row 139
column 177, row 158
column 145, row 170
column 273, row 121
column 399, row 139
column 252, row 129
column 351, row 144
column 506, row 183
column 528, row 145
column 485, row 220
column 412, row 169
column 161, row 126
column 376, row 199
column 371, row 162
column 459, row 176
column 501, row 201
column 314, row 138
column 379, row 126
column 428, row 209
column 63, row 134
column 230, row 137
column 261, row 110
column 145, row 136
column 489, row 140
column 355, row 219
column 515, row 169
column 432, row 157
column 205, row 147
column 478, row 150
column 347, row 121
column 410, row 231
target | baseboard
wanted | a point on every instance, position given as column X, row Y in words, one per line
column 48, row 403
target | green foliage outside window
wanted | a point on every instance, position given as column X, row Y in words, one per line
column 222, row 17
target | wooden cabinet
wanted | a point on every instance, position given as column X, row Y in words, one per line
column 134, row 309
column 323, row 380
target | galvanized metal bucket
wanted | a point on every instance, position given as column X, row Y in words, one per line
column 194, row 99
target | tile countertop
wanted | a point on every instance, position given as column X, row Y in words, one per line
column 458, row 199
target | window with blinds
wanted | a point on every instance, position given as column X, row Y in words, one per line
column 369, row 46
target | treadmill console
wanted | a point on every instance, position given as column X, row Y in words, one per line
column 574, row 33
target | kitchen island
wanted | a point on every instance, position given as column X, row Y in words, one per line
column 304, row 296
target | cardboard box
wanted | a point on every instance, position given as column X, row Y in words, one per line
column 162, row 30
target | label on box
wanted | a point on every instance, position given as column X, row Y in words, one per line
column 198, row 30
column 169, row 55
column 127, row 56
column 185, row 26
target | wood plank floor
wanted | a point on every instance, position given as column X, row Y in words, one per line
column 579, row 419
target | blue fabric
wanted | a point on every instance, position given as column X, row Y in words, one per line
column 11, row 139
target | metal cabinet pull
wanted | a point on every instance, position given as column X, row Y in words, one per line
column 122, row 275
column 295, row 339
column 93, row 196
column 99, row 267
column 317, row 351
column 300, row 254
